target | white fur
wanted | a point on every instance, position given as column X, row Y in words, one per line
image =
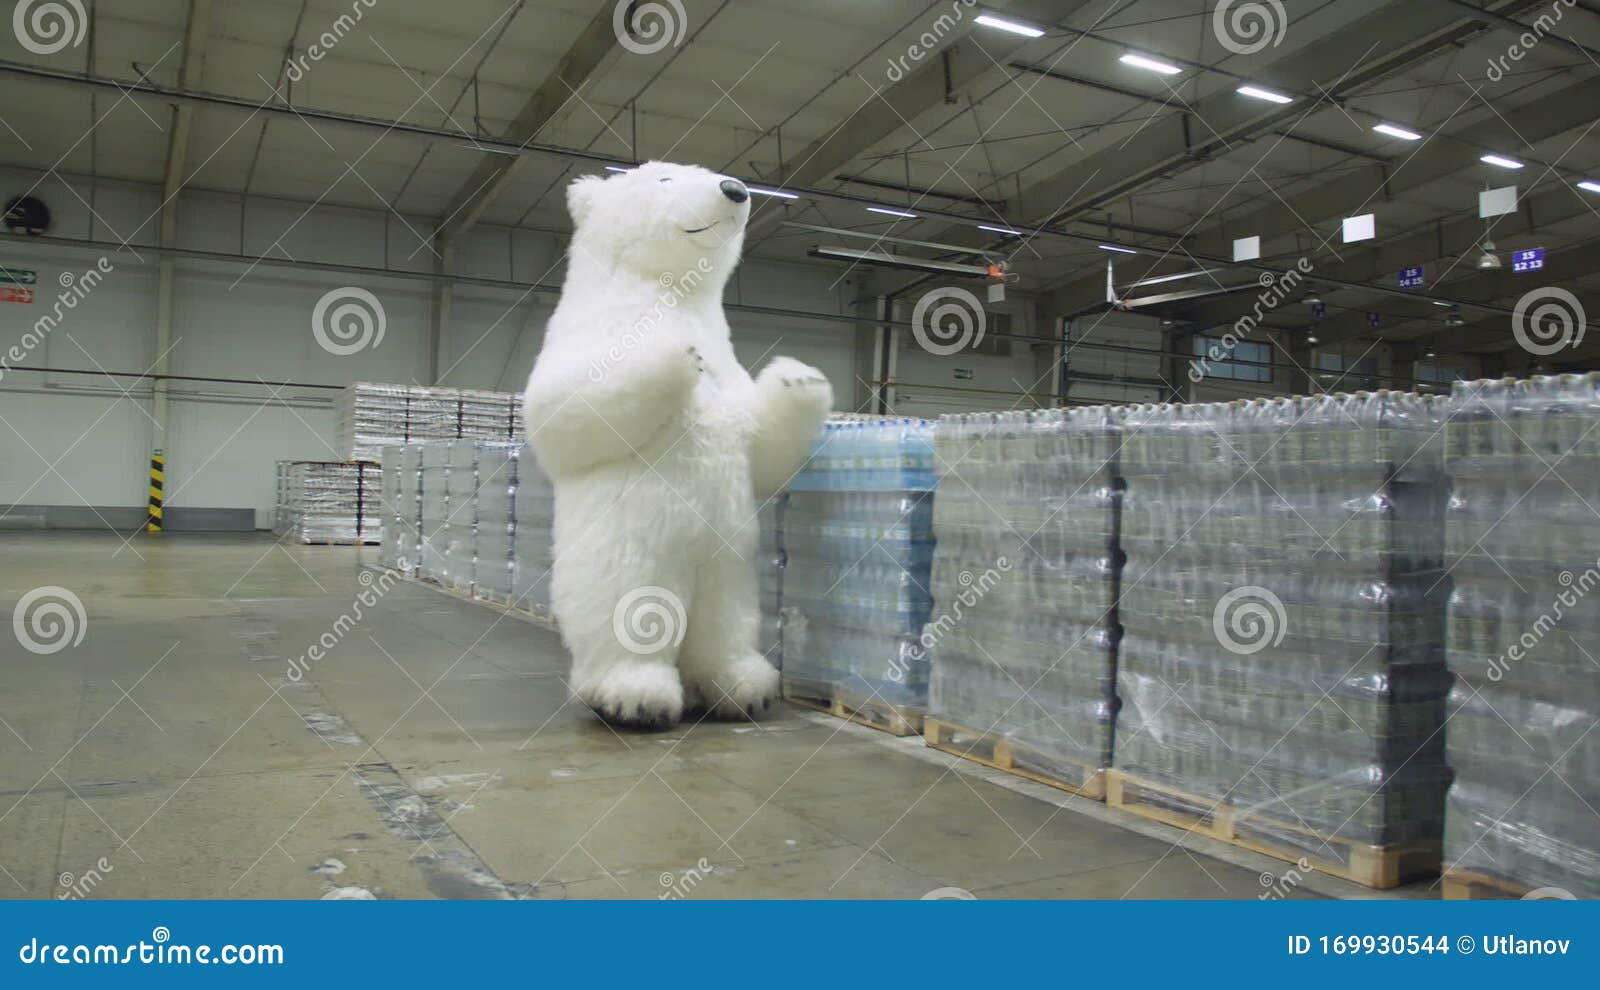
column 658, row 442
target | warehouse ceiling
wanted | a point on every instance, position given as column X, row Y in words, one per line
column 905, row 103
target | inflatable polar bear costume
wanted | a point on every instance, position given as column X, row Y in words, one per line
column 659, row 444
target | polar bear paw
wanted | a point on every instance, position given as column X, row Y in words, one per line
column 636, row 695
column 741, row 688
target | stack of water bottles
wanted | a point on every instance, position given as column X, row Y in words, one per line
column 1283, row 612
column 769, row 576
column 1524, row 548
column 1024, row 635
column 858, row 542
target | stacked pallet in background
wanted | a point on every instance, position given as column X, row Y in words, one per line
column 374, row 416
column 1281, row 672
column 473, row 517
column 329, row 502
column 769, row 577
column 858, row 546
column 1024, row 631
column 1524, row 544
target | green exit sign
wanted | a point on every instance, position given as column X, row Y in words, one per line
column 963, row 374
column 18, row 276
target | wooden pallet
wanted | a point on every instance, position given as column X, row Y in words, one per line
column 897, row 720
column 1379, row 867
column 338, row 541
column 1470, row 885
column 1016, row 758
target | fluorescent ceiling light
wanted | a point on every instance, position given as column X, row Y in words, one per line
column 1593, row 187
column 1015, row 27
column 772, row 192
column 1263, row 94
column 1398, row 132
column 1500, row 161
column 1000, row 230
column 1119, row 250
column 1154, row 65
column 892, row 213
column 898, row 261
column 617, row 168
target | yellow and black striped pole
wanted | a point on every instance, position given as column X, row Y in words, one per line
column 158, row 460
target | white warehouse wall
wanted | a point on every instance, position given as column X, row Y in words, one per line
column 69, row 440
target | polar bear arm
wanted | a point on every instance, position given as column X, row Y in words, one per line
column 791, row 401
column 584, row 413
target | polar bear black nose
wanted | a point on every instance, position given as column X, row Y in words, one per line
column 735, row 190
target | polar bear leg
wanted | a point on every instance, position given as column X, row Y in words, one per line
column 723, row 671
column 624, row 635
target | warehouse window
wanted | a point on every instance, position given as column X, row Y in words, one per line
column 1350, row 371
column 1225, row 362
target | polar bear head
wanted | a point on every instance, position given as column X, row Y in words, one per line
column 660, row 218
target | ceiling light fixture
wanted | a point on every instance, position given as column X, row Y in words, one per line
column 772, row 192
column 1146, row 62
column 891, row 213
column 1398, row 132
column 1015, row 27
column 1119, row 250
column 1263, row 94
column 617, row 168
column 1501, row 161
column 1488, row 260
column 1000, row 230
column 905, row 262
column 1593, row 187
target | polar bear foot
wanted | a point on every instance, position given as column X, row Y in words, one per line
column 741, row 688
column 636, row 696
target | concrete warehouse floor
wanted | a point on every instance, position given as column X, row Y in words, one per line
column 434, row 753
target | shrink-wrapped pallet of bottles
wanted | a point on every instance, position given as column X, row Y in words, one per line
column 1523, row 544
column 1024, row 630
column 372, row 416
column 329, row 502
column 769, row 576
column 858, row 546
column 1281, row 672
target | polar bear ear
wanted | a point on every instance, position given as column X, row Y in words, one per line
column 581, row 195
